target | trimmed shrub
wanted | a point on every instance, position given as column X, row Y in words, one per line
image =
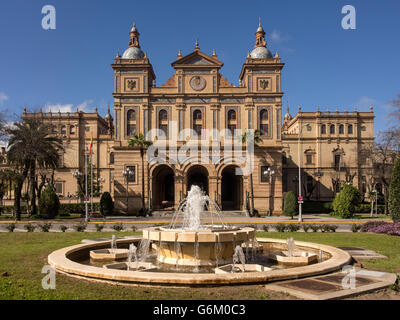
column 394, row 192
column 118, row 227
column 265, row 227
column 292, row 227
column 133, row 228
column 317, row 207
column 332, row 228
column 314, row 227
column 290, row 204
column 45, row 227
column 346, row 201
column 99, row 227
column 30, row 227
column 80, row 227
column 63, row 228
column 325, row 228
column 11, row 227
column 305, row 227
column 355, row 227
column 49, row 204
column 106, row 204
column 280, row 227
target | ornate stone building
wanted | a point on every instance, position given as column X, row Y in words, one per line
column 197, row 98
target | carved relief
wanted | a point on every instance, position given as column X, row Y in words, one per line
column 131, row 84
column 197, row 83
column 264, row 84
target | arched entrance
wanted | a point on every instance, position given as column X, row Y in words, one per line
column 163, row 187
column 231, row 189
column 197, row 175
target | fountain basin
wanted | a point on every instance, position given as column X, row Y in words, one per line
column 108, row 254
column 239, row 268
column 303, row 258
column 204, row 247
column 133, row 266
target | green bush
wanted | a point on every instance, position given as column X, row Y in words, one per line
column 63, row 228
column 280, row 227
column 317, row 207
column 355, row 227
column 346, row 201
column 332, row 228
column 394, row 192
column 79, row 208
column 106, row 204
column 49, row 204
column 45, row 227
column 11, row 227
column 133, row 228
column 305, row 227
column 265, row 227
column 292, row 227
column 290, row 204
column 30, row 227
column 118, row 227
column 80, row 227
column 99, row 227
column 315, row 227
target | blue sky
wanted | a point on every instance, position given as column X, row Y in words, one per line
column 326, row 66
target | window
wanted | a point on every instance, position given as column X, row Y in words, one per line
column 231, row 129
column 308, row 158
column 337, row 161
column 59, row 187
column 323, row 129
column 332, row 129
column 63, row 130
column 163, row 121
column 131, row 123
column 231, row 115
column 131, row 115
column 132, row 176
column 350, row 129
column 72, row 130
column 264, row 174
column 264, row 123
column 112, row 158
column 197, row 122
column 341, row 129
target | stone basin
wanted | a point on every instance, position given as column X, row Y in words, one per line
column 108, row 254
column 299, row 258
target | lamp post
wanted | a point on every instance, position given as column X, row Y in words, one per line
column 127, row 173
column 78, row 175
column 299, row 142
column 270, row 173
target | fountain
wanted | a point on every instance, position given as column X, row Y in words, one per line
column 201, row 238
column 109, row 254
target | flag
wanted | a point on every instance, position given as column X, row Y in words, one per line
column 91, row 146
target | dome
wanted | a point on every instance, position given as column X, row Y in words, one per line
column 261, row 53
column 133, row 53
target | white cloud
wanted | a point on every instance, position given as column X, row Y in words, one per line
column 84, row 106
column 276, row 35
column 3, row 98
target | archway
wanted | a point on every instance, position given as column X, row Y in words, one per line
column 163, row 187
column 197, row 175
column 231, row 189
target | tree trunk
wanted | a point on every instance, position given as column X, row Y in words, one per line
column 372, row 207
column 386, row 196
column 143, row 204
column 17, row 200
column 33, row 190
column 251, row 195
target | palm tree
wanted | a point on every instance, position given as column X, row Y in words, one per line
column 139, row 140
column 251, row 137
column 31, row 145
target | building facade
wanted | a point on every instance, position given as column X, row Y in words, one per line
column 197, row 109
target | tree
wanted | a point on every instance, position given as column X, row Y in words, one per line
column 396, row 108
column 31, row 145
column 49, row 204
column 251, row 137
column 394, row 192
column 290, row 204
column 138, row 140
column 346, row 201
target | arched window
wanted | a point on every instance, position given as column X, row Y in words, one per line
column 131, row 123
column 231, row 115
column 350, row 129
column 72, row 130
column 197, row 122
column 63, row 130
column 232, row 121
column 131, row 116
column 341, row 129
column 264, row 125
column 332, row 129
column 323, row 129
column 163, row 121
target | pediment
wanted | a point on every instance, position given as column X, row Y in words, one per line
column 197, row 58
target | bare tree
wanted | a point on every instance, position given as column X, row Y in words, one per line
column 396, row 108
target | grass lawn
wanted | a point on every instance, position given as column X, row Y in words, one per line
column 22, row 256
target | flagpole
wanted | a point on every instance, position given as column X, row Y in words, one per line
column 86, row 185
column 91, row 176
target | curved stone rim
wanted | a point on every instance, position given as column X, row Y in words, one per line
column 59, row 261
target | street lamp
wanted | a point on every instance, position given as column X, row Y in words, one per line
column 127, row 173
column 269, row 173
column 299, row 142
